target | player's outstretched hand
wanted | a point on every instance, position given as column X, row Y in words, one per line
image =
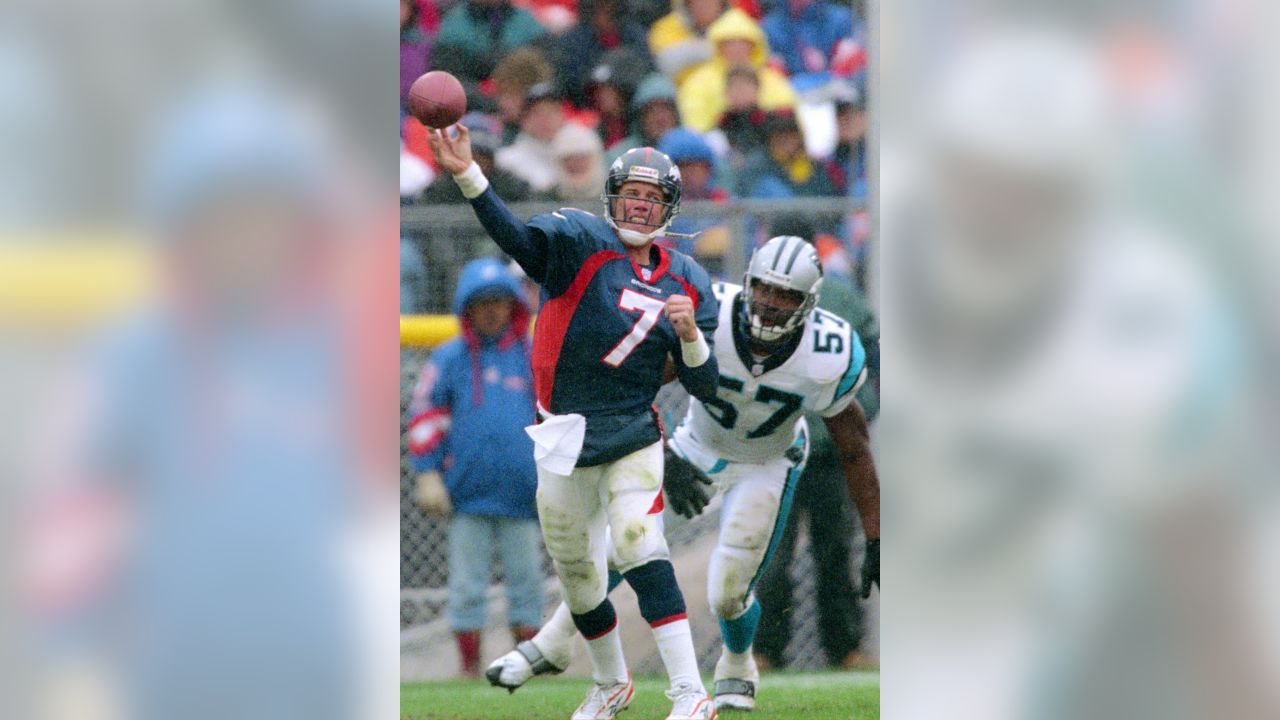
column 688, row 490
column 871, row 567
column 453, row 153
column 679, row 311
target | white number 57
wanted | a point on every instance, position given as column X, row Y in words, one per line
column 650, row 309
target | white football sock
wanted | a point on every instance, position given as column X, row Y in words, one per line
column 608, row 666
column 675, row 644
column 732, row 664
column 555, row 638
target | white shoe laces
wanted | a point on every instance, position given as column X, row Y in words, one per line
column 597, row 698
column 684, row 698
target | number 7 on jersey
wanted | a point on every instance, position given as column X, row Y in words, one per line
column 650, row 309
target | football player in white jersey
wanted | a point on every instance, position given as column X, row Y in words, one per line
column 779, row 355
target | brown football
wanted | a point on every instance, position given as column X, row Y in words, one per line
column 437, row 99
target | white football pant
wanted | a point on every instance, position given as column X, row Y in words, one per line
column 757, row 498
column 585, row 512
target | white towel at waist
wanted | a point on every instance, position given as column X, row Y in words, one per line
column 557, row 441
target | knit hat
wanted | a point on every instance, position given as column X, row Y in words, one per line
column 654, row 87
column 575, row 139
column 684, row 145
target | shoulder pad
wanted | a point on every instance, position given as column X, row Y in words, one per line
column 840, row 345
column 560, row 213
column 724, row 290
column 570, row 220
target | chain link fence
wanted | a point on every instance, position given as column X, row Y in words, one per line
column 449, row 236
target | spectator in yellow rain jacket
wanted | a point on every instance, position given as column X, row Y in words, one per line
column 737, row 40
column 678, row 40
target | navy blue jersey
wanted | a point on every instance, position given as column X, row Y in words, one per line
column 601, row 339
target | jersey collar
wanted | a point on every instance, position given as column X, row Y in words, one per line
column 742, row 343
column 651, row 276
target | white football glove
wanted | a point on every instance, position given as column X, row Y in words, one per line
column 431, row 495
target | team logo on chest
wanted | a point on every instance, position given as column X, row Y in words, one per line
column 651, row 288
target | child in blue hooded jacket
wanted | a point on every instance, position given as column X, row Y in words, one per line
column 473, row 459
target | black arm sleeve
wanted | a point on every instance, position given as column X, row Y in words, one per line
column 700, row 381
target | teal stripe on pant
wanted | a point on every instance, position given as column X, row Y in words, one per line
column 784, row 511
column 739, row 633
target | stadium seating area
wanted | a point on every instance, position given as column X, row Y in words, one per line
column 754, row 99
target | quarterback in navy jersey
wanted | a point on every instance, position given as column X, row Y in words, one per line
column 617, row 308
column 780, row 356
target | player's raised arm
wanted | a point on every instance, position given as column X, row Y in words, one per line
column 517, row 239
column 695, row 324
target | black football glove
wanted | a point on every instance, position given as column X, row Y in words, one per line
column 688, row 490
column 871, row 567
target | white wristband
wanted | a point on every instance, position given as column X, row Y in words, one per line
column 695, row 353
column 472, row 181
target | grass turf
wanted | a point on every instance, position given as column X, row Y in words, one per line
column 812, row 696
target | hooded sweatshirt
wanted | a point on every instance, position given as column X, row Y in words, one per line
column 472, row 403
column 676, row 46
column 701, row 98
column 573, row 140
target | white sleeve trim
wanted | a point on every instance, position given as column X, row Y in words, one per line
column 472, row 181
column 695, row 353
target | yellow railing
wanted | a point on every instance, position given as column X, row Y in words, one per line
column 426, row 331
column 70, row 282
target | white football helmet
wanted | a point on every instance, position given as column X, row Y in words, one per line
column 789, row 263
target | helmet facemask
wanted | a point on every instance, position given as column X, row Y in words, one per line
column 786, row 275
column 653, row 168
column 615, row 205
column 771, row 320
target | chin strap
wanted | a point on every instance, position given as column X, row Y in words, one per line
column 690, row 236
column 639, row 238
column 631, row 237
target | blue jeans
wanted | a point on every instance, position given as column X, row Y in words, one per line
column 471, row 544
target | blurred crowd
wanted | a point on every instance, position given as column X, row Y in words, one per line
column 751, row 98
